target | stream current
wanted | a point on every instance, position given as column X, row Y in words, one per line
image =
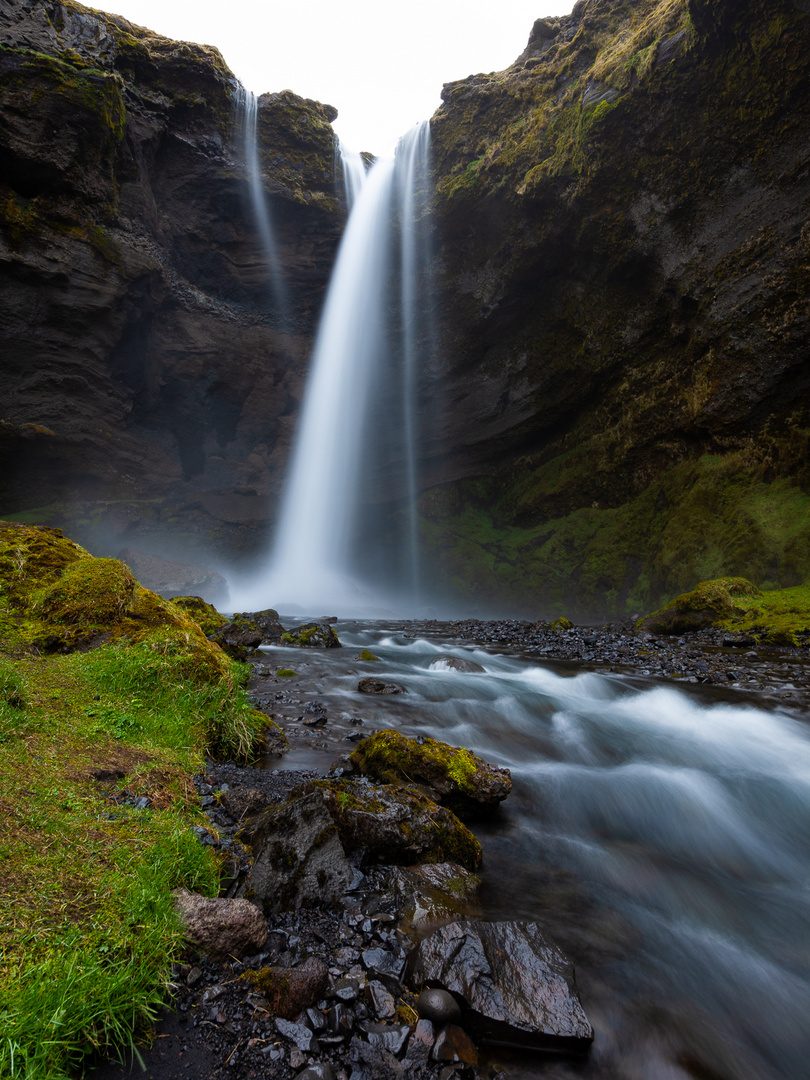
column 662, row 838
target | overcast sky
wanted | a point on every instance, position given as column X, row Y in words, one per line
column 381, row 65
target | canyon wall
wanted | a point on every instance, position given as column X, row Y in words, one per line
column 148, row 387
column 623, row 254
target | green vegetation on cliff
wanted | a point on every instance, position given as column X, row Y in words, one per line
column 110, row 697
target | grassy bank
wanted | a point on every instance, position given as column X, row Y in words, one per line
column 110, row 697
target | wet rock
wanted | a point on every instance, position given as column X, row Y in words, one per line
column 377, row 686
column 385, row 967
column 454, row 663
column 221, row 927
column 396, row 825
column 390, row 1037
column 367, row 657
column 340, row 1019
column 380, row 1001
column 299, row 1034
column 320, row 1070
column 346, row 990
column 420, row 1045
column 432, row 894
column 454, row 1044
column 453, row 776
column 519, row 988
column 289, row 991
column 298, row 858
column 438, row 1006
column 311, row 636
column 371, row 1063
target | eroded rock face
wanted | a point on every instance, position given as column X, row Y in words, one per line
column 144, row 364
column 518, row 987
column 221, row 928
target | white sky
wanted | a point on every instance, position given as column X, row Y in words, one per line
column 380, row 64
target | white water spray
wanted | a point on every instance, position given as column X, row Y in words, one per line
column 353, row 466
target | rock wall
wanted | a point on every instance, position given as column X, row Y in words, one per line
column 623, row 247
column 148, row 387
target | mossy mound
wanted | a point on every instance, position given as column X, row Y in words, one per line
column 396, row 825
column 205, row 615
column 451, row 775
column 367, row 657
column 712, row 603
column 89, row 591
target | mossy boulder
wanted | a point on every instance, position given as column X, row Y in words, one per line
column 316, row 635
column 396, row 825
column 367, row 657
column 712, row 603
column 55, row 597
column 453, row 776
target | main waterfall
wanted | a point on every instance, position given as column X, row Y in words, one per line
column 347, row 528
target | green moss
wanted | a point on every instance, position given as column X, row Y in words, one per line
column 367, row 656
column 712, row 603
column 205, row 615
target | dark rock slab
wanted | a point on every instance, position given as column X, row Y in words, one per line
column 299, row 1034
column 298, row 858
column 432, row 894
column 518, row 986
column 390, row 1037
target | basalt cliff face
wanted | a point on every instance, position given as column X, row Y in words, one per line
column 623, row 254
column 148, row 386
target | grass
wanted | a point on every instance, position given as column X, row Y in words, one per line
column 127, row 704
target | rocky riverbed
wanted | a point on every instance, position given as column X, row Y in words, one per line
column 360, row 1020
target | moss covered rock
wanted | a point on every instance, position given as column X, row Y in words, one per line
column 712, row 603
column 316, row 635
column 396, row 825
column 451, row 775
column 205, row 615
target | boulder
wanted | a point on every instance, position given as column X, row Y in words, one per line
column 396, row 825
column 517, row 986
column 249, row 630
column 288, row 991
column 219, row 927
column 710, row 604
column 454, row 663
column 432, row 894
column 451, row 775
column 316, row 635
column 377, row 686
column 298, row 858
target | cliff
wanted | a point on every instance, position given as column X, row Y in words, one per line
column 623, row 247
column 148, row 386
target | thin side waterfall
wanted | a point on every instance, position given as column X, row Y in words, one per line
column 246, row 126
column 347, row 529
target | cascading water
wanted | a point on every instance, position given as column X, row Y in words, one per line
column 246, row 108
column 353, row 467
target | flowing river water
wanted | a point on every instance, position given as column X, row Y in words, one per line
column 662, row 838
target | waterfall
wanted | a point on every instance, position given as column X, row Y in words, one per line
column 347, row 528
column 246, row 129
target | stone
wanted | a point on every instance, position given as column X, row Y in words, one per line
column 390, row 1037
column 367, row 656
column 438, row 1006
column 386, row 967
column 420, row 1045
column 299, row 1034
column 291, row 991
column 346, row 990
column 377, row 686
column 319, row 1070
column 455, row 663
column 451, row 775
column 518, row 987
column 396, row 825
column 243, row 802
column 371, row 1063
column 431, row 894
column 380, row 1001
column 454, row 1044
column 311, row 636
column 298, row 857
column 221, row 927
